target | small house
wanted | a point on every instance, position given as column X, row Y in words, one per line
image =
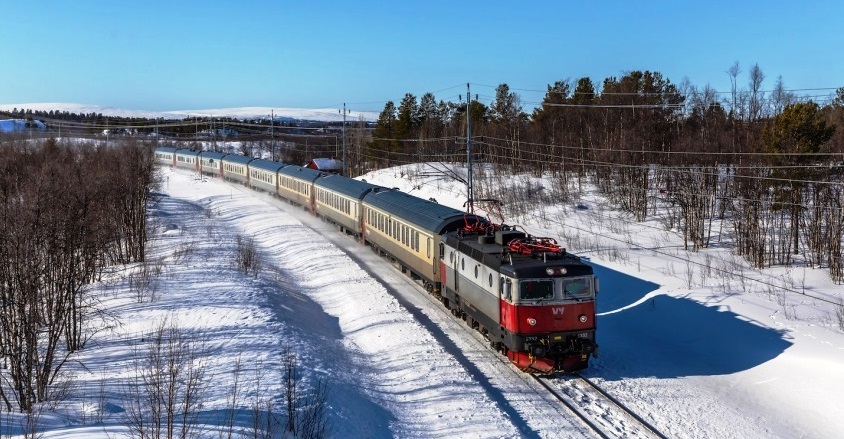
column 333, row 166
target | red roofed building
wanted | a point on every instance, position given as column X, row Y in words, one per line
column 333, row 166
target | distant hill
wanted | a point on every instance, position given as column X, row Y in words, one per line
column 281, row 114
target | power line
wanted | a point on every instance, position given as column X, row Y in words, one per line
column 677, row 93
column 657, row 152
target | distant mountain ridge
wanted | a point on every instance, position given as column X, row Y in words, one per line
column 319, row 114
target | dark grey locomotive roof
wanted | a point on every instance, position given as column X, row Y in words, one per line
column 266, row 165
column 212, row 155
column 185, row 151
column 426, row 214
column 299, row 172
column 346, row 186
column 515, row 265
column 169, row 149
column 234, row 158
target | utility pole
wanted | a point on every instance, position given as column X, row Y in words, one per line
column 272, row 132
column 344, row 140
column 470, row 204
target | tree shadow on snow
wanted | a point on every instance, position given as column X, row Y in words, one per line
column 671, row 337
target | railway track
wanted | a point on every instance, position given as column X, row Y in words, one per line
column 607, row 416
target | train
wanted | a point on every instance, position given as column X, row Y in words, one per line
column 534, row 301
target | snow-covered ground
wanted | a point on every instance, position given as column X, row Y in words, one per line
column 710, row 354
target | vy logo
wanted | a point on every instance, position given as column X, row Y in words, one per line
column 558, row 311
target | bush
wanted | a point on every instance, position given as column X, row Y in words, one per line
column 246, row 257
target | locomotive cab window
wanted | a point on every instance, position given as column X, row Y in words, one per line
column 506, row 287
column 577, row 288
column 536, row 289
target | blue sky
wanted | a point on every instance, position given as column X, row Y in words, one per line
column 183, row 54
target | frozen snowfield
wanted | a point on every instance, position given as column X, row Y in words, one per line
column 698, row 354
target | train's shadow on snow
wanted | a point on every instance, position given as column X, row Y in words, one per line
column 670, row 337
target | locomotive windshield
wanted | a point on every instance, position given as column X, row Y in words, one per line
column 536, row 289
column 567, row 288
column 577, row 288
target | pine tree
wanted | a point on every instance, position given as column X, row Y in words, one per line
column 800, row 129
column 506, row 108
column 383, row 137
column 551, row 116
column 408, row 118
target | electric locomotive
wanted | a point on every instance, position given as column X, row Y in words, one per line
column 534, row 301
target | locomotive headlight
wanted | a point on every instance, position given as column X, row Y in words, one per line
column 532, row 321
column 549, row 271
column 582, row 318
column 563, row 270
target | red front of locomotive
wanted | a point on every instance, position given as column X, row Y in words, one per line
column 533, row 300
column 548, row 316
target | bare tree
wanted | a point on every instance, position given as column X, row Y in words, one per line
column 165, row 392
column 780, row 97
column 266, row 422
column 232, row 401
column 291, row 387
column 757, row 96
column 307, row 412
column 59, row 232
column 694, row 192
column 733, row 73
column 839, row 313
